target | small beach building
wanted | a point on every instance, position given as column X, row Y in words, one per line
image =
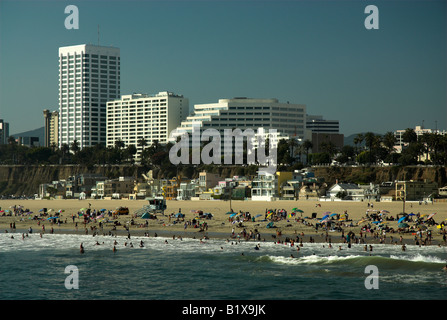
column 345, row 191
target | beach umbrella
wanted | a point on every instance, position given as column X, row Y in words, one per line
column 102, row 210
column 411, row 214
column 83, row 209
column 384, row 211
column 232, row 215
column 258, row 215
column 401, row 219
column 229, row 212
column 430, row 216
column 324, row 218
column 334, row 214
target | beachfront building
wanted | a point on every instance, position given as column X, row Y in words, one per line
column 89, row 76
column 269, row 187
column 246, row 113
column 345, row 191
column 141, row 117
column 415, row 190
column 187, row 189
column 264, row 187
column 51, row 128
column 208, row 180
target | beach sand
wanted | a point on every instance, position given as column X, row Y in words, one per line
column 220, row 226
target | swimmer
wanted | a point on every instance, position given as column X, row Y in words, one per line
column 81, row 248
column 114, row 249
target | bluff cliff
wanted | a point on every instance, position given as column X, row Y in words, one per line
column 25, row 180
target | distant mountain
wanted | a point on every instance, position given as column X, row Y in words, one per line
column 349, row 140
column 40, row 133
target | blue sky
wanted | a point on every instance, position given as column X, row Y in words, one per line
column 316, row 53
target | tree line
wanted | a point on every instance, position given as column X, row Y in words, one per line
column 368, row 149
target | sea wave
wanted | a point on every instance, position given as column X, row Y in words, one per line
column 393, row 261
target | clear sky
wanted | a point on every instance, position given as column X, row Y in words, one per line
column 317, row 53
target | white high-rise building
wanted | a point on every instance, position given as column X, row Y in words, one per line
column 141, row 116
column 89, row 76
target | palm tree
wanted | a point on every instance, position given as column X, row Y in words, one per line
column 372, row 142
column 358, row 139
column 307, row 144
column 75, row 146
column 142, row 143
column 389, row 141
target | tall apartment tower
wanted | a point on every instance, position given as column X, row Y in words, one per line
column 89, row 76
column 51, row 128
column 4, row 132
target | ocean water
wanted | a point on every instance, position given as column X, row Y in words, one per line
column 174, row 269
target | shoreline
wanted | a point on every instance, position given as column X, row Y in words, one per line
column 220, row 226
column 318, row 238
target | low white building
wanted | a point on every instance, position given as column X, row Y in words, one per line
column 350, row 191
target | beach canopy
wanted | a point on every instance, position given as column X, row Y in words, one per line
column 145, row 215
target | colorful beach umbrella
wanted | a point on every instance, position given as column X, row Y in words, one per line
column 431, row 216
column 401, row 219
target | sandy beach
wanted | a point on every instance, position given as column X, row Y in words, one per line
column 220, row 226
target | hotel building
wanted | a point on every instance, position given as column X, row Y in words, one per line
column 137, row 116
column 289, row 120
column 89, row 76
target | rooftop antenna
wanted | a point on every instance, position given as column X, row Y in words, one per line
column 98, row 34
